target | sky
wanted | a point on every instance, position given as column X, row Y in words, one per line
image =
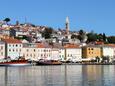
column 89, row 15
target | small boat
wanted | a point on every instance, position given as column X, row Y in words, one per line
column 15, row 63
column 48, row 62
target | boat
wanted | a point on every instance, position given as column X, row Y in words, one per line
column 20, row 62
column 48, row 62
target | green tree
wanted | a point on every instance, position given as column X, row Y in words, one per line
column 111, row 39
column 47, row 33
column 92, row 37
column 100, row 37
column 73, row 36
column 104, row 37
column 97, row 59
column 81, row 35
column 7, row 20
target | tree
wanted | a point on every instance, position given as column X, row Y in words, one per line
column 104, row 37
column 111, row 39
column 7, row 20
column 92, row 37
column 100, row 37
column 97, row 59
column 81, row 32
column 47, row 33
column 73, row 36
column 81, row 35
column 105, row 59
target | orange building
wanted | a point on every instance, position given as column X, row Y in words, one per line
column 91, row 51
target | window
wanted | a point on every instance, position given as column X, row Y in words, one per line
column 16, row 45
column 1, row 53
column 16, row 50
column 9, row 49
column 1, row 47
column 27, row 50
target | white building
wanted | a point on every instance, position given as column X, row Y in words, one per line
column 21, row 33
column 108, row 51
column 2, row 50
column 13, row 48
column 73, row 53
column 55, row 54
column 62, row 54
column 36, row 51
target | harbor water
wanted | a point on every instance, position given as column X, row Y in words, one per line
column 61, row 75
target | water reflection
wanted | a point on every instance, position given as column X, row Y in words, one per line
column 65, row 75
column 98, row 75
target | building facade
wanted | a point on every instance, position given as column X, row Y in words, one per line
column 36, row 51
column 13, row 48
column 73, row 53
column 108, row 51
column 91, row 52
column 2, row 50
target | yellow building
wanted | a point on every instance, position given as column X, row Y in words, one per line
column 91, row 51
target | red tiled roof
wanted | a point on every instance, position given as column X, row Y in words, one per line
column 99, row 42
column 71, row 46
column 111, row 45
column 11, row 40
column 40, row 45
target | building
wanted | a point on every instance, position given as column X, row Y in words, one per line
column 73, row 53
column 91, row 52
column 67, row 25
column 108, row 51
column 2, row 50
column 58, row 52
column 55, row 54
column 36, row 51
column 13, row 48
column 62, row 54
column 67, row 34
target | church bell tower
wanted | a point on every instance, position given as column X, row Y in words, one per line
column 67, row 25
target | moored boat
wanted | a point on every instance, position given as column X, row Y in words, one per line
column 15, row 63
column 48, row 62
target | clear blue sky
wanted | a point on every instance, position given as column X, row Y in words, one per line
column 96, row 15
